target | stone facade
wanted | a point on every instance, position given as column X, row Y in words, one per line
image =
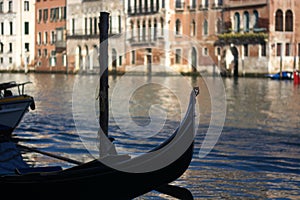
column 83, row 35
column 16, row 35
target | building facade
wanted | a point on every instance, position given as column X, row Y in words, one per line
column 83, row 34
column 259, row 36
column 176, row 33
column 50, row 36
column 16, row 35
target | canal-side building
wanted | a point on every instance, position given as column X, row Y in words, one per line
column 83, row 34
column 259, row 36
column 16, row 35
column 50, row 36
column 178, row 33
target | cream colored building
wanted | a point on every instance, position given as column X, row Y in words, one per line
column 83, row 34
column 17, row 34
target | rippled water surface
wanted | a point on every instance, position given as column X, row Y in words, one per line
column 256, row 157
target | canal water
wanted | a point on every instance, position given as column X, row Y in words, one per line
column 257, row 155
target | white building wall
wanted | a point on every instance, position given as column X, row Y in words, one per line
column 12, row 60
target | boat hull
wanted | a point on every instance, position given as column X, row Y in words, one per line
column 93, row 179
column 12, row 110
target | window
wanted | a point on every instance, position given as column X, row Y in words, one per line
column 205, row 51
column 53, row 59
column 178, row 27
column 40, row 15
column 73, row 26
column 91, row 26
column 26, row 47
column 178, row 56
column 39, row 38
column 246, row 21
column 85, row 25
column 52, row 37
column 237, row 22
column 95, row 25
column 63, row 13
column 1, row 47
column 10, row 28
column 120, row 60
column 193, row 28
column 10, row 60
column 10, row 48
column 219, row 26
column 59, row 34
column 1, row 6
column 246, row 51
column 45, row 37
column 193, row 4
column 26, row 29
column 263, row 49
column 289, row 20
column 39, row 53
column 64, row 59
column 10, row 6
column 132, row 57
column 287, row 49
column 1, row 60
column 279, row 21
column 2, row 28
column 45, row 52
column 26, row 5
column 256, row 17
column 205, row 27
column 278, row 49
column 45, row 15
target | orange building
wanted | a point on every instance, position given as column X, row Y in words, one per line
column 50, row 40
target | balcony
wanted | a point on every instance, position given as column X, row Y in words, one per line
column 234, row 4
column 241, row 38
column 60, row 46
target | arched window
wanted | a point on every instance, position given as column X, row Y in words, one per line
column 289, row 20
column 1, row 47
column 132, row 29
column 178, row 27
column 205, row 27
column 279, row 21
column 256, row 17
column 193, row 28
column 246, row 21
column 219, row 26
column 237, row 22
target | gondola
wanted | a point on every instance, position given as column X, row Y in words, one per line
column 13, row 106
column 99, row 178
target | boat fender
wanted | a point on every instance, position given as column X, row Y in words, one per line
column 32, row 105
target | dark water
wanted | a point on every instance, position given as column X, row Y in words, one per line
column 256, row 157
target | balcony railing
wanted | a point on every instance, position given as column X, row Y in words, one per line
column 241, row 38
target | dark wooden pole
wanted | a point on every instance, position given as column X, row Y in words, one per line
column 103, row 60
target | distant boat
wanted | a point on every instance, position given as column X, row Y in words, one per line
column 286, row 75
column 13, row 107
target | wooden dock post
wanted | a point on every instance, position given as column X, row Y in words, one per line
column 103, row 60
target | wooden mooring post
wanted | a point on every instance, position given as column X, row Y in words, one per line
column 103, row 60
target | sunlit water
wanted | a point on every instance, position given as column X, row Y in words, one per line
column 256, row 157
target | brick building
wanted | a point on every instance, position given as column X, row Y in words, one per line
column 50, row 31
column 259, row 36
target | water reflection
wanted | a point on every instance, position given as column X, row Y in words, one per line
column 256, row 157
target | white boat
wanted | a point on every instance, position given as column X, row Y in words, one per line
column 13, row 106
